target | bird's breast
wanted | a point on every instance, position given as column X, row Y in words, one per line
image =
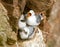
column 31, row 20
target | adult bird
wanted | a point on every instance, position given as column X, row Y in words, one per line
column 33, row 19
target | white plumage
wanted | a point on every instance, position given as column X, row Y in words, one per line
column 26, row 32
column 33, row 19
column 22, row 22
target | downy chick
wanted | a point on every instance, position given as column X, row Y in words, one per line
column 27, row 32
column 33, row 19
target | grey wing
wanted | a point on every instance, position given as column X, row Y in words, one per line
column 31, row 30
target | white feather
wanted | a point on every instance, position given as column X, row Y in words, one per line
column 28, row 30
column 20, row 23
column 32, row 20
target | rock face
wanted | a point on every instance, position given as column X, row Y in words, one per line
column 54, row 20
column 26, row 5
column 5, row 28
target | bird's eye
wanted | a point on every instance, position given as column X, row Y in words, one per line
column 29, row 14
column 22, row 20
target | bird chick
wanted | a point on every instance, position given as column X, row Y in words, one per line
column 33, row 19
column 26, row 32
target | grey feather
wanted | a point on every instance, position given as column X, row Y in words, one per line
column 38, row 18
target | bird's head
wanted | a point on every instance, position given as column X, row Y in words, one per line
column 30, row 13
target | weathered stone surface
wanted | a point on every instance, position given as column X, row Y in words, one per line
column 5, row 28
column 54, row 20
column 39, row 5
column 26, row 5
